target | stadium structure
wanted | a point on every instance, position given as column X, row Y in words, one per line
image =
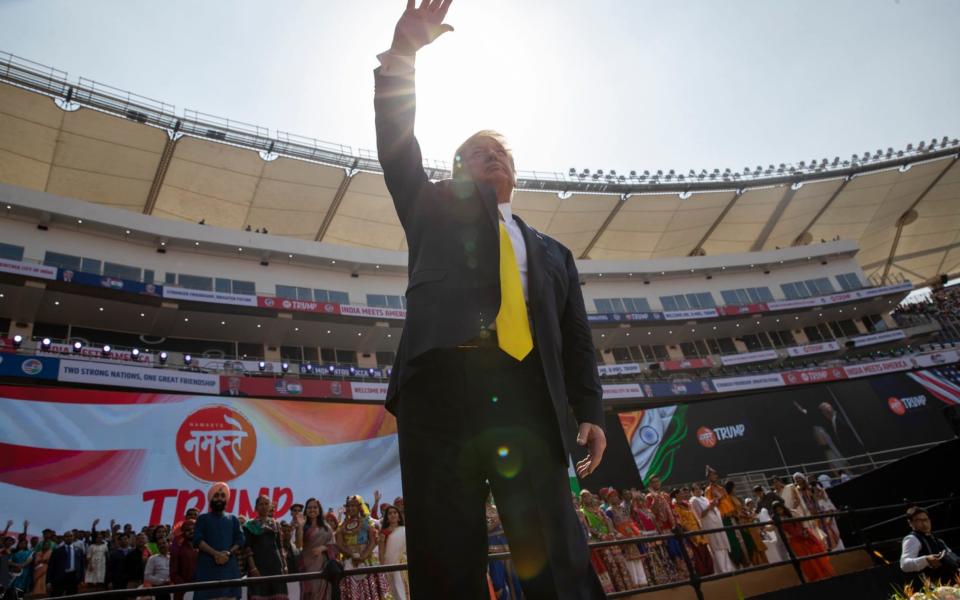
column 148, row 254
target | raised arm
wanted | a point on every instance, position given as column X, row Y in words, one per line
column 395, row 101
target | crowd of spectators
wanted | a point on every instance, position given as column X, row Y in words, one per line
column 942, row 304
column 217, row 545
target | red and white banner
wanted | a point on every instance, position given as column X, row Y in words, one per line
column 749, row 357
column 809, row 349
column 330, row 308
column 145, row 458
column 878, row 368
column 803, row 376
column 732, row 310
column 685, row 364
column 878, row 338
column 122, row 375
column 210, row 297
column 748, row 382
column 622, row 390
column 18, row 267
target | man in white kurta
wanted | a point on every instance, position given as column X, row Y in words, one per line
column 709, row 516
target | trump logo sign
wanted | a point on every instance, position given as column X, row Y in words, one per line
column 216, row 443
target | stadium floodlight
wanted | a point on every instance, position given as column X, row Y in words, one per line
column 187, row 359
column 17, row 340
column 370, row 371
column 284, row 367
column 353, row 371
column 77, row 346
column 135, row 353
column 163, row 358
column 331, row 369
column 106, row 349
column 45, row 343
column 262, row 366
column 309, row 368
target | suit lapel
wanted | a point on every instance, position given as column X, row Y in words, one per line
column 535, row 260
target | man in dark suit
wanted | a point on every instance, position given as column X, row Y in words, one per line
column 66, row 568
column 839, row 429
column 495, row 353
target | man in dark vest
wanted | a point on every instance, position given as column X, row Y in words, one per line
column 496, row 352
column 925, row 554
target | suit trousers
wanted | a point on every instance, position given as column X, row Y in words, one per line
column 474, row 421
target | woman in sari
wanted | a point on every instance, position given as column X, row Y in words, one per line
column 314, row 538
column 41, row 559
column 756, row 550
column 601, row 529
column 805, row 542
column 22, row 559
column 827, row 524
column 393, row 550
column 264, row 556
column 357, row 539
column 595, row 559
column 503, row 576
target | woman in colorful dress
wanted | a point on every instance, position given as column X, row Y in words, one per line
column 827, row 524
column 314, row 538
column 95, row 574
column 717, row 493
column 357, row 539
column 697, row 544
column 596, row 560
column 659, row 567
column 393, row 550
column 503, row 575
column 601, row 529
column 805, row 542
column 264, row 555
column 22, row 559
column 752, row 540
column 41, row 559
column 619, row 515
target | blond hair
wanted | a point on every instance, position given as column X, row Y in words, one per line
column 488, row 134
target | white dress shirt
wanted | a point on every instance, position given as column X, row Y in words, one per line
column 157, row 569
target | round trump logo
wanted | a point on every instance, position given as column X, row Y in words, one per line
column 216, row 443
column 706, row 437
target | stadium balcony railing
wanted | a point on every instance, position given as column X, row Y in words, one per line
column 855, row 517
column 347, row 372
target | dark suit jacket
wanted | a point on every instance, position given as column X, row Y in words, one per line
column 58, row 564
column 454, row 281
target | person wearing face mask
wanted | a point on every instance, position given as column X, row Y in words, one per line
column 219, row 538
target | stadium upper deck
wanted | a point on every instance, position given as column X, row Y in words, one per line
column 103, row 145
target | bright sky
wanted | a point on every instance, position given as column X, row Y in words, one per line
column 623, row 84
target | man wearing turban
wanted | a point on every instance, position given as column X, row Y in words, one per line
column 219, row 539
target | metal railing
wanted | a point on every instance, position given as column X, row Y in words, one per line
column 45, row 80
column 694, row 580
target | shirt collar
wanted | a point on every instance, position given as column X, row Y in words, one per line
column 506, row 211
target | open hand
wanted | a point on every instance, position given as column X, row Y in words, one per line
column 595, row 440
column 418, row 27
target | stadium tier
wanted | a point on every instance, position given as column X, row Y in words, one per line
column 186, row 299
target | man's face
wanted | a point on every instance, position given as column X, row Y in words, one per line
column 696, row 489
column 233, row 383
column 921, row 522
column 187, row 531
column 655, row 484
column 778, row 485
column 826, row 410
column 485, row 160
column 68, row 538
column 122, row 541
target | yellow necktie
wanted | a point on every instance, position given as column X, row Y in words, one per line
column 513, row 326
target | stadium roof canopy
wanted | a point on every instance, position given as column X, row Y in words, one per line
column 89, row 141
